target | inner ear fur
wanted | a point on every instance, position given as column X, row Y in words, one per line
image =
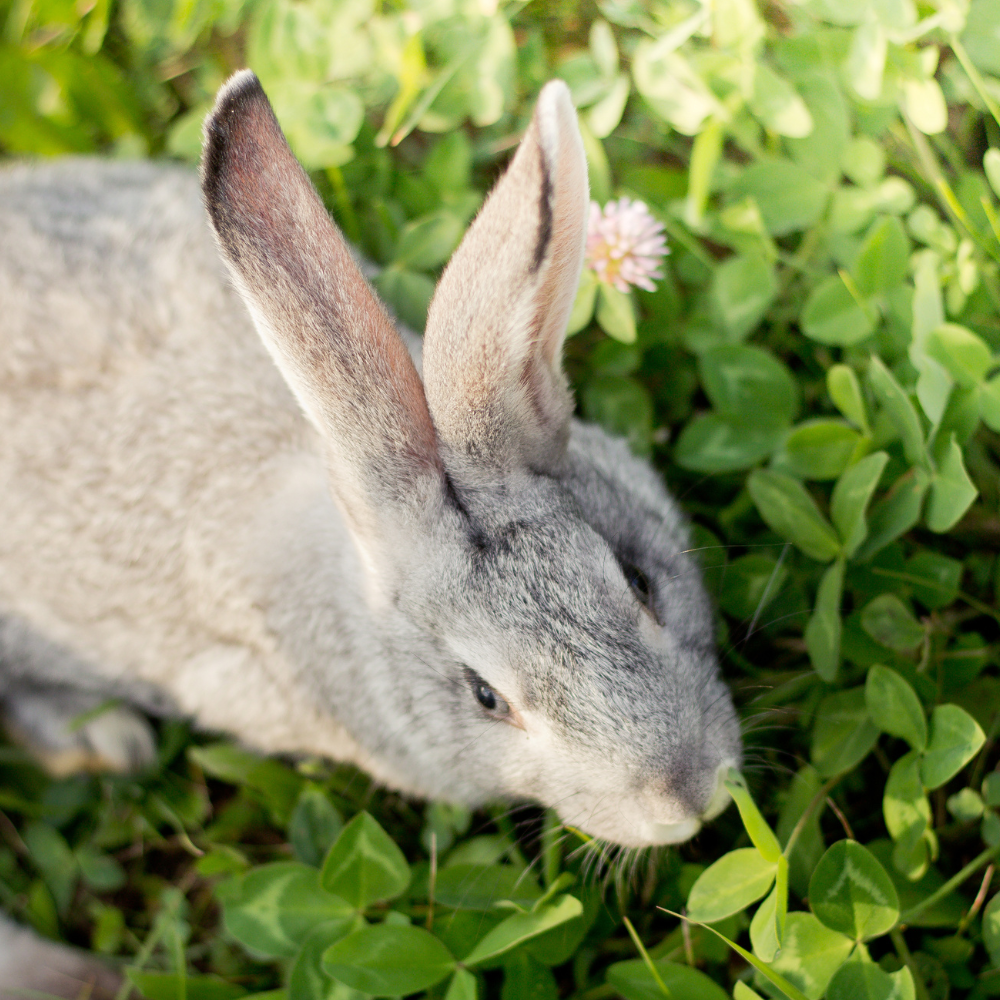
column 495, row 328
column 333, row 342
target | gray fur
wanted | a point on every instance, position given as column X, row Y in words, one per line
column 284, row 537
column 33, row 969
column 174, row 531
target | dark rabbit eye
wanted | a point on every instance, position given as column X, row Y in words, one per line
column 640, row 585
column 487, row 697
column 492, row 702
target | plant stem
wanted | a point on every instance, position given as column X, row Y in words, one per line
column 688, row 949
column 152, row 940
column 859, row 299
column 983, row 858
column 551, row 828
column 946, row 197
column 984, row 887
column 818, row 798
column 973, row 74
column 432, row 881
column 980, row 606
column 907, row 959
column 653, row 971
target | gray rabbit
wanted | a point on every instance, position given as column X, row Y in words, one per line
column 292, row 537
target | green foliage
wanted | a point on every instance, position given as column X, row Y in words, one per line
column 634, row 981
column 850, row 892
column 388, row 960
column 736, row 880
column 364, row 864
column 816, row 375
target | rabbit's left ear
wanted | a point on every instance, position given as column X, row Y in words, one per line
column 492, row 351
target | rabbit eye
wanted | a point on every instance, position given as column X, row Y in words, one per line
column 492, row 702
column 639, row 584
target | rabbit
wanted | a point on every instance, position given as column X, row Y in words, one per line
column 291, row 536
column 31, row 967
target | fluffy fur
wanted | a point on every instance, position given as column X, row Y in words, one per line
column 33, row 969
column 290, row 536
column 286, row 537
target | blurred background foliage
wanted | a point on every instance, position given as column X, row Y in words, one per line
column 815, row 377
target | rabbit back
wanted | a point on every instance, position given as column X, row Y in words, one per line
column 147, row 434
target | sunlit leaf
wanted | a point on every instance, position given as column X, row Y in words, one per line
column 895, row 707
column 777, row 106
column 272, row 909
column 731, row 884
column 791, row 512
column 899, row 408
column 850, row 892
column 952, row 491
column 633, row 981
column 844, row 733
column 615, row 313
column 882, row 261
column 365, row 865
column 955, row 739
column 522, row 927
column 818, row 449
column 866, row 981
column 388, row 960
column 824, row 628
column 768, row 971
column 925, row 105
column 831, row 314
column 849, row 503
column 742, row 289
column 788, row 196
column 907, row 814
column 756, row 826
column 963, row 353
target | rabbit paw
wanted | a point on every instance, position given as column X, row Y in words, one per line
column 71, row 732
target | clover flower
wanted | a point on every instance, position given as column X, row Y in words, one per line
column 625, row 244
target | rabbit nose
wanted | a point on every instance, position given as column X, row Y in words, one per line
column 699, row 790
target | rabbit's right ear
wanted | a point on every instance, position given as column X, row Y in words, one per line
column 323, row 326
column 495, row 328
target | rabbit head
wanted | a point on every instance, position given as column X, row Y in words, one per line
column 545, row 634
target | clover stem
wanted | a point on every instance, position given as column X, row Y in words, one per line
column 984, row 887
column 817, row 799
column 907, row 959
column 432, row 881
column 985, row 857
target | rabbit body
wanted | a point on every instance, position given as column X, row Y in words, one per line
column 269, row 531
column 156, row 469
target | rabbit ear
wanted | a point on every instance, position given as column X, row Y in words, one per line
column 326, row 331
column 492, row 351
